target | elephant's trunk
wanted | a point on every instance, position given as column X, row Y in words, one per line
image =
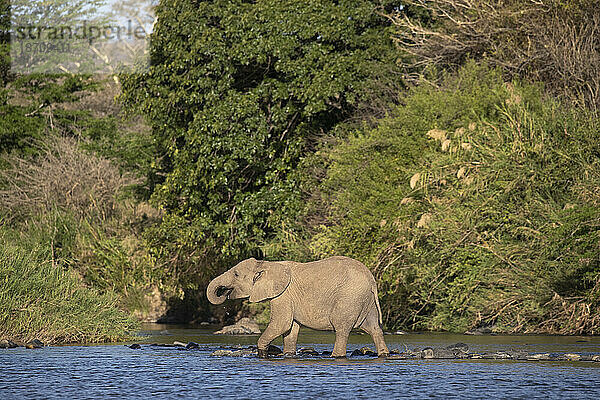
column 218, row 289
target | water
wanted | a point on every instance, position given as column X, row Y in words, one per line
column 107, row 371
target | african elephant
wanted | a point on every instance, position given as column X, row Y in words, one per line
column 338, row 293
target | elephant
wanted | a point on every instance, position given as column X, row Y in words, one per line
column 337, row 293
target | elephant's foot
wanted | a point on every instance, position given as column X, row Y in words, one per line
column 338, row 356
column 289, row 354
column 263, row 353
column 383, row 355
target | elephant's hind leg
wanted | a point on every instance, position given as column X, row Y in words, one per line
column 341, row 340
column 371, row 326
column 342, row 322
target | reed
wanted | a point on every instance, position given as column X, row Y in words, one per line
column 43, row 300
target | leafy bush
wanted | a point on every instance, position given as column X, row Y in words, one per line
column 475, row 203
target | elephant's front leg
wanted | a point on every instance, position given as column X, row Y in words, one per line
column 280, row 323
column 290, row 339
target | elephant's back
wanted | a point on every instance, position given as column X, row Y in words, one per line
column 341, row 268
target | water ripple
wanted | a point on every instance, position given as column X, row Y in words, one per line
column 117, row 371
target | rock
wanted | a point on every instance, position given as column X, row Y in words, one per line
column 482, row 330
column 7, row 344
column 427, row 352
column 596, row 358
column 499, row 355
column 326, row 353
column 180, row 344
column 233, row 353
column 443, row 354
column 274, row 350
column 572, row 357
column 395, row 351
column 521, row 356
column 458, row 347
column 431, row 353
column 192, row 345
column 244, row 353
column 540, row 356
column 135, row 346
column 364, row 351
column 308, row 351
column 400, row 333
column 462, row 355
column 34, row 344
column 244, row 326
column 221, row 352
column 415, row 353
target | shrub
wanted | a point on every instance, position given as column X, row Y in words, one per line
column 549, row 41
column 62, row 176
column 475, row 203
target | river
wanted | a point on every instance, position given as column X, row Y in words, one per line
column 117, row 371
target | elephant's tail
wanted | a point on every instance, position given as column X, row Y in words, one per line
column 374, row 290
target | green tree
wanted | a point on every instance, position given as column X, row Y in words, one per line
column 236, row 94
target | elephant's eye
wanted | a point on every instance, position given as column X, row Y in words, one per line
column 235, row 273
column 257, row 276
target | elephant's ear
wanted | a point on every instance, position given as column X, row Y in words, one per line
column 270, row 280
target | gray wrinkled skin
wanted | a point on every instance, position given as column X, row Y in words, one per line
column 337, row 294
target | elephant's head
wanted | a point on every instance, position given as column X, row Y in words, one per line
column 259, row 280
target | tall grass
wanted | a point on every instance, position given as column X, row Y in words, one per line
column 43, row 300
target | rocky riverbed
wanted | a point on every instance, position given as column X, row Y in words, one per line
column 454, row 351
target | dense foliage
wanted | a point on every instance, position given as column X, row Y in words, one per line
column 236, row 94
column 474, row 204
column 461, row 166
